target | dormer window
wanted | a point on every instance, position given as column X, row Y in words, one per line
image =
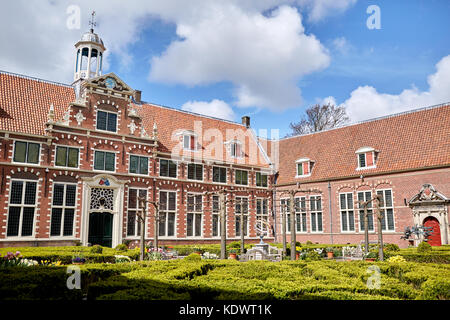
column 304, row 167
column 189, row 140
column 366, row 157
column 235, row 148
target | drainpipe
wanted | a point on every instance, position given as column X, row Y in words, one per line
column 331, row 214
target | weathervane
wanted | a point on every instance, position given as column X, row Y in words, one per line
column 92, row 22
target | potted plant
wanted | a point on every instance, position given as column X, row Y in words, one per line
column 330, row 253
column 78, row 259
column 371, row 256
column 198, row 250
column 233, row 253
column 298, row 250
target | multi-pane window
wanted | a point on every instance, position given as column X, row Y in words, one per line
column 194, row 215
column 63, row 209
column 316, row 213
column 189, row 142
column 167, row 212
column 167, row 168
column 365, row 196
column 22, row 205
column 220, row 174
column 105, row 161
column 133, row 222
column 106, row 121
column 261, row 179
column 241, row 206
column 262, row 214
column 386, row 210
column 366, row 159
column 26, row 152
column 215, row 216
column 285, row 205
column 300, row 214
column 195, row 171
column 138, row 164
column 67, row 157
column 347, row 213
column 303, row 168
column 241, row 177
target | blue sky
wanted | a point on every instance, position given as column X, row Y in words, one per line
column 370, row 72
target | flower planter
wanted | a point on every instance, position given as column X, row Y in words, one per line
column 330, row 255
column 232, row 256
column 297, row 255
column 370, row 259
column 78, row 263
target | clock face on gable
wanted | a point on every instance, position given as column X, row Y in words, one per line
column 110, row 83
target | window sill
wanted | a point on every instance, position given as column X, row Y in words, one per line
column 366, row 168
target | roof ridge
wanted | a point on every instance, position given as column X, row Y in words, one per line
column 35, row 78
column 370, row 120
column 190, row 112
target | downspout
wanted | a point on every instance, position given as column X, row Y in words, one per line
column 329, row 208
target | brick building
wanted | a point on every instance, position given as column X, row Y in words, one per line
column 74, row 159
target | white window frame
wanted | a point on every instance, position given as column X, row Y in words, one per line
column 196, row 164
column 316, row 212
column 22, row 205
column 239, row 215
column 65, row 146
column 188, row 135
column 239, row 184
column 386, row 230
column 262, row 174
column 64, row 207
column 26, row 163
column 194, row 213
column 175, row 212
column 136, row 222
column 139, row 156
column 302, row 161
column 106, row 151
column 169, row 160
column 361, row 223
column 365, row 150
column 300, row 213
column 216, row 213
column 263, row 215
column 107, row 111
column 346, row 210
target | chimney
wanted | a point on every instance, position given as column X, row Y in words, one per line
column 246, row 121
column 137, row 96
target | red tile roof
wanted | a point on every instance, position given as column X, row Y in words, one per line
column 405, row 141
column 25, row 102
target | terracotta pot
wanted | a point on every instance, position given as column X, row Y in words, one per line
column 297, row 255
column 330, row 255
column 233, row 255
column 370, row 259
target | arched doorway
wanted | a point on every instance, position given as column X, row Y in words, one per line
column 435, row 238
column 100, row 228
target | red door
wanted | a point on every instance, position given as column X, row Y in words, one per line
column 435, row 238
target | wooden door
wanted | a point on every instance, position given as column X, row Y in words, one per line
column 435, row 238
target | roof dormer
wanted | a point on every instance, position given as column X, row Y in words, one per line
column 304, row 167
column 366, row 157
column 234, row 148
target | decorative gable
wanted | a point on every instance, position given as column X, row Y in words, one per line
column 428, row 195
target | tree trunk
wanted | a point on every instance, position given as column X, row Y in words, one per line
column 156, row 228
column 142, row 222
column 283, row 229
column 380, row 240
column 366, row 230
column 242, row 228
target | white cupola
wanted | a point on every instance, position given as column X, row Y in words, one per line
column 89, row 55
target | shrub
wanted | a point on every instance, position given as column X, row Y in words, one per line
column 436, row 289
column 391, row 247
column 121, row 247
column 308, row 243
column 96, row 249
column 424, row 247
column 193, row 257
column 398, row 259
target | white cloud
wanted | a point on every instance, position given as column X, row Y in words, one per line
column 262, row 56
column 319, row 9
column 215, row 108
column 366, row 102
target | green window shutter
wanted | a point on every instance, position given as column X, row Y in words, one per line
column 245, row 177
column 134, row 162
column 143, row 165
column 20, row 151
column 110, row 161
column 264, row 180
column 99, row 160
column 33, row 153
column 258, row 179
column 238, row 177
column 73, row 158
column 61, row 156
column 300, row 169
column 172, row 169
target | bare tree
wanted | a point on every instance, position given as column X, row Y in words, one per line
column 320, row 118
